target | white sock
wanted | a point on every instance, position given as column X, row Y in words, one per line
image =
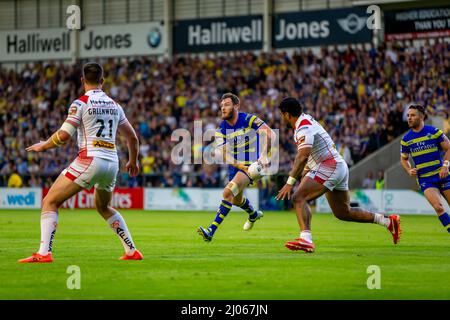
column 49, row 223
column 118, row 225
column 306, row 235
column 381, row 220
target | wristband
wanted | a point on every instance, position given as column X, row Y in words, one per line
column 446, row 163
column 291, row 181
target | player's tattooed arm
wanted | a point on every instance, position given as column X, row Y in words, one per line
column 300, row 162
column 57, row 139
column 305, row 171
column 299, row 165
column 445, row 145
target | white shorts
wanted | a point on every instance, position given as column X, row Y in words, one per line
column 88, row 172
column 333, row 175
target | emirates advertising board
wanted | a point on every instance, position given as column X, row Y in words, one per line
column 123, row 198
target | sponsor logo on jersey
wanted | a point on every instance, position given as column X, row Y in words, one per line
column 73, row 110
column 103, row 144
column 258, row 122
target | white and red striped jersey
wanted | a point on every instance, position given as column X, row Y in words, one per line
column 309, row 133
column 96, row 117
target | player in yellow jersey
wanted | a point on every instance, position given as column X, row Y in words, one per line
column 429, row 148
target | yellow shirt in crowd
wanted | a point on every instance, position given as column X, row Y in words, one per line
column 15, row 181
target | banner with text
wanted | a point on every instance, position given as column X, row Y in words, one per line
column 218, row 34
column 96, row 41
column 191, row 199
column 323, row 27
column 417, row 23
column 123, row 198
column 122, row 40
column 386, row 201
column 35, row 44
column 20, row 198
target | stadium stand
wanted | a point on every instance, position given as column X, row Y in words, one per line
column 358, row 95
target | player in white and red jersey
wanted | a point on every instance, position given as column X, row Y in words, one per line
column 96, row 118
column 322, row 171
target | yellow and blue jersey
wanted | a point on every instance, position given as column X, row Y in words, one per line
column 425, row 149
column 241, row 139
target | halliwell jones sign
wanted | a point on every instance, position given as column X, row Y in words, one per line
column 218, row 34
column 98, row 41
column 323, row 27
column 36, row 44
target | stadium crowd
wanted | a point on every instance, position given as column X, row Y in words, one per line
column 359, row 96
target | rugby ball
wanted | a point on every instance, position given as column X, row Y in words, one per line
column 255, row 171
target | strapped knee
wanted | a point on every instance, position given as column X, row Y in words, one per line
column 233, row 187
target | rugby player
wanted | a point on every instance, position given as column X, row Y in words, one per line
column 96, row 118
column 426, row 146
column 238, row 139
column 326, row 173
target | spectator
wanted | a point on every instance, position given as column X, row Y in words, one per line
column 359, row 96
column 15, row 181
column 345, row 152
column 209, row 177
column 22, row 166
column 147, row 163
column 7, row 168
column 369, row 181
column 379, row 183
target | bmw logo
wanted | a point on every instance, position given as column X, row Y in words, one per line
column 154, row 38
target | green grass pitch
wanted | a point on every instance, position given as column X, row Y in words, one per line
column 178, row 264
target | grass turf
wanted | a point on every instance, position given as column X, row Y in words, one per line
column 178, row 264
